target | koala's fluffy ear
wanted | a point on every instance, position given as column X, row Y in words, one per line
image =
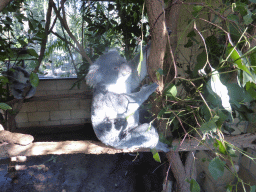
column 94, row 76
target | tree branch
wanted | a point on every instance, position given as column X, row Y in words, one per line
column 4, row 3
column 156, row 16
column 65, row 25
column 44, row 41
column 96, row 147
column 68, row 42
column 178, row 170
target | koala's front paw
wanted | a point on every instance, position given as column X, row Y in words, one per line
column 149, row 88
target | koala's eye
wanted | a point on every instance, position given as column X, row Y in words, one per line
column 116, row 68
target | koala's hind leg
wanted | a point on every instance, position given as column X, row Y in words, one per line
column 139, row 137
column 142, row 136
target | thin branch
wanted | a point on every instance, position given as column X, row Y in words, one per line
column 54, row 22
column 44, row 41
column 65, row 25
column 68, row 42
column 206, row 50
column 70, row 53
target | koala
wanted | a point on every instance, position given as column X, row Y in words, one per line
column 114, row 111
column 19, row 80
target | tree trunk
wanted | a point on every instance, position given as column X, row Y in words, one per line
column 4, row 3
column 158, row 41
column 158, row 27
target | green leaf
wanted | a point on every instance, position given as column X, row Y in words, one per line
column 4, row 106
column 4, row 80
column 188, row 44
column 251, row 89
column 32, row 52
column 194, row 186
column 216, row 168
column 34, row 80
column 159, row 73
column 230, row 150
column 163, row 139
column 241, row 8
column 221, row 90
column 222, row 116
column 204, row 111
column 238, row 95
column 248, row 18
column 155, row 155
column 253, row 58
column 162, row 112
column 191, row 34
column 171, row 90
column 22, row 42
column 234, row 18
column 236, row 55
column 196, row 10
column 209, row 126
column 221, row 147
column 229, row 188
column 253, row 188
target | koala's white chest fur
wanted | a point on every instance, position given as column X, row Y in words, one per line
column 119, row 87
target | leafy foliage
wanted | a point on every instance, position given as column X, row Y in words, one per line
column 4, row 106
column 218, row 80
column 216, row 83
column 216, row 168
column 194, row 186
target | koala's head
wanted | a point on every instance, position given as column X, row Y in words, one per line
column 109, row 69
column 17, row 75
column 19, row 79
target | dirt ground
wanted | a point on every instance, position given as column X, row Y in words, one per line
column 81, row 172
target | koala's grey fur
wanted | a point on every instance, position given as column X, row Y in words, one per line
column 114, row 113
column 19, row 80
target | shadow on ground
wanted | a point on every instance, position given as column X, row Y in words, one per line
column 83, row 173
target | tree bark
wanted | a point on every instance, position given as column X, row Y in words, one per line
column 178, row 171
column 156, row 16
column 46, row 32
column 4, row 3
column 172, row 17
column 15, row 138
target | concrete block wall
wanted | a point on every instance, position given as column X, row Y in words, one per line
column 58, row 111
column 248, row 168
